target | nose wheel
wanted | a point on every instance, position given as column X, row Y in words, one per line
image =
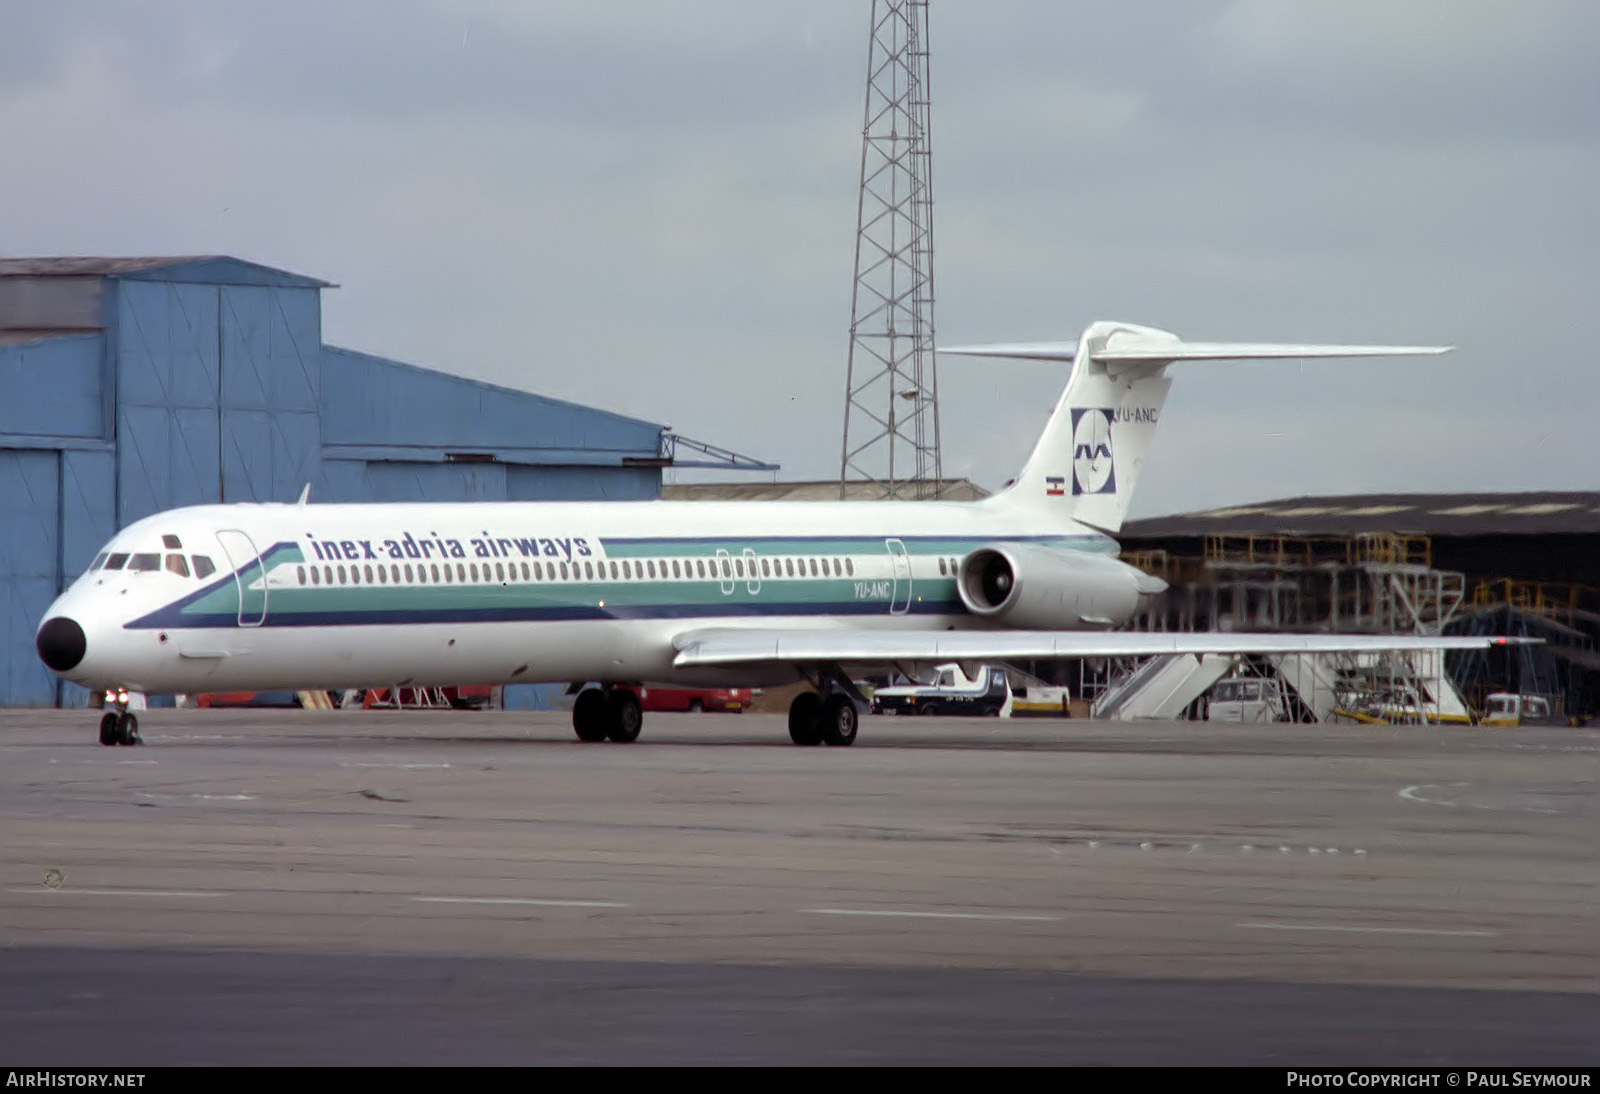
column 119, row 728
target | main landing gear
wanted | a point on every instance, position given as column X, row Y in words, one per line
column 607, row 714
column 118, row 727
column 829, row 717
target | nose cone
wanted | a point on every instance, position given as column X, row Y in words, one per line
column 61, row 643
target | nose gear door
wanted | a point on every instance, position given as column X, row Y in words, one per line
column 249, row 576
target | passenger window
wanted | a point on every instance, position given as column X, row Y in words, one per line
column 764, row 571
column 563, row 571
column 524, row 571
column 409, row 578
column 341, row 575
column 813, row 567
column 301, row 570
column 500, row 572
column 315, row 580
column 614, row 571
column 473, row 570
column 627, row 571
column 369, row 573
column 651, row 565
column 422, row 574
column 172, row 543
column 727, row 571
column 538, row 572
column 675, row 568
column 849, row 567
column 941, row 567
column 838, row 569
column 788, row 565
column 177, row 563
column 700, row 566
column 448, row 576
column 116, row 562
column 738, row 567
column 202, row 566
column 433, row 571
column 588, row 570
column 394, row 573
column 383, row 575
column 461, row 571
column 355, row 575
column 143, row 563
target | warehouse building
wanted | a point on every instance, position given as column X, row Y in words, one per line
column 133, row 385
column 1525, row 564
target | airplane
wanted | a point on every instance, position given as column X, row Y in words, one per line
column 265, row 596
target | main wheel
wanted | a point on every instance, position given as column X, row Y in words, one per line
column 839, row 720
column 930, row 710
column 696, row 706
column 805, row 719
column 589, row 715
column 108, row 728
column 128, row 730
column 624, row 716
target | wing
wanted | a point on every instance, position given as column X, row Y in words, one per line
column 729, row 646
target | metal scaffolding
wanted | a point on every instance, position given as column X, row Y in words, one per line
column 891, row 426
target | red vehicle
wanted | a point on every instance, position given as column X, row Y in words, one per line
column 694, row 699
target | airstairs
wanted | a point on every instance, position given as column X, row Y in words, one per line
column 1162, row 687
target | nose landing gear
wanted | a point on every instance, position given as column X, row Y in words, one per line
column 118, row 727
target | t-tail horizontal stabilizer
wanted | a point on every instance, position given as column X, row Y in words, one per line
column 1089, row 458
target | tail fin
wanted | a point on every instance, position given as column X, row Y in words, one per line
column 1088, row 460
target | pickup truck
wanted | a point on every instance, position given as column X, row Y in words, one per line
column 953, row 692
column 1506, row 709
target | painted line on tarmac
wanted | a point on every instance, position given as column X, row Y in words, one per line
column 888, row 913
column 518, row 900
column 115, row 892
column 1367, row 930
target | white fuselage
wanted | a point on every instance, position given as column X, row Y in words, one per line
column 333, row 596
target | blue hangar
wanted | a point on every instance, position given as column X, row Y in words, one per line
column 133, row 385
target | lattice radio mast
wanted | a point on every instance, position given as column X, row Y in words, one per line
column 891, row 418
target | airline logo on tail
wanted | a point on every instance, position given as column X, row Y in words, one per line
column 1093, row 470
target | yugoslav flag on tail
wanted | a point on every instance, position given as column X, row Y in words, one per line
column 1088, row 460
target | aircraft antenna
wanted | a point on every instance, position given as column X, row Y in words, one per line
column 891, row 415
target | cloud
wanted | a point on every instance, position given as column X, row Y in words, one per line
column 651, row 207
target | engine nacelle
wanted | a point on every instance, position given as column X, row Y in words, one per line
column 1045, row 588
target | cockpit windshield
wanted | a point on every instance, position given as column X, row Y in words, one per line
column 172, row 562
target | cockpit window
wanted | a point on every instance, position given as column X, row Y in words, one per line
column 144, row 562
column 177, row 563
column 172, row 543
column 203, row 567
column 116, row 562
column 99, row 560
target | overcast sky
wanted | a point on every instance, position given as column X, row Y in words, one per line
column 650, row 207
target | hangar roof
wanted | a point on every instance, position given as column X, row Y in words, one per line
column 1538, row 513
column 223, row 269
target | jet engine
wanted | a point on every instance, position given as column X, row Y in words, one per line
column 1032, row 587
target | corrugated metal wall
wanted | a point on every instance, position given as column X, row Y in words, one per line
column 30, row 496
column 205, row 381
